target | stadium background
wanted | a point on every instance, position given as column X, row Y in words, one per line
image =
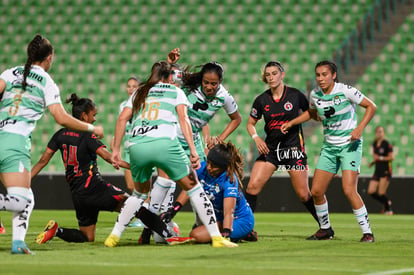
column 99, row 44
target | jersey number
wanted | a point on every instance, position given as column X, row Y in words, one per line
column 70, row 158
column 151, row 111
column 16, row 102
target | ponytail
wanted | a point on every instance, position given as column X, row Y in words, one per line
column 37, row 50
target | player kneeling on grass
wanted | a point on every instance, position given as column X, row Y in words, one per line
column 90, row 192
column 220, row 177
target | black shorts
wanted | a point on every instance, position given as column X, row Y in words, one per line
column 381, row 173
column 286, row 159
column 93, row 197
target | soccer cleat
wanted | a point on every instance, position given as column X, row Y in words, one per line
column 145, row 236
column 48, row 233
column 179, row 240
column 367, row 238
column 252, row 237
column 136, row 223
column 322, row 234
column 111, row 241
column 20, row 247
column 219, row 241
column 389, row 213
column 2, row 228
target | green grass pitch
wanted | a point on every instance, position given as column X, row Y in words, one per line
column 281, row 249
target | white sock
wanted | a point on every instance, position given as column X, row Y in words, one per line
column 128, row 212
column 169, row 198
column 361, row 216
column 204, row 209
column 15, row 200
column 323, row 215
column 20, row 219
column 159, row 193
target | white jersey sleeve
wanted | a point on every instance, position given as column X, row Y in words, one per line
column 52, row 93
column 353, row 94
column 230, row 105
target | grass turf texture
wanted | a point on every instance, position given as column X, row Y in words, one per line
column 282, row 249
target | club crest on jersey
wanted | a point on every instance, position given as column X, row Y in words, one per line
column 288, row 106
column 253, row 112
column 337, row 100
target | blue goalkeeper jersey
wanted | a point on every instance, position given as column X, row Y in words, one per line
column 218, row 188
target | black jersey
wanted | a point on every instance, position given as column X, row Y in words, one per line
column 276, row 113
column 382, row 150
column 78, row 150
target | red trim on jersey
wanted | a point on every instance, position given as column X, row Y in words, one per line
column 51, row 149
column 117, row 197
column 88, row 180
column 103, row 146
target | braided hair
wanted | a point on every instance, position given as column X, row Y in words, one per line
column 37, row 50
column 80, row 105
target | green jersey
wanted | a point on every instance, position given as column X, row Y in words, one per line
column 337, row 111
column 19, row 110
column 202, row 109
column 158, row 118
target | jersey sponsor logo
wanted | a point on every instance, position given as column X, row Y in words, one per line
column 32, row 75
column 328, row 111
column 143, row 130
column 275, row 124
column 200, row 106
column 333, row 126
column 288, row 106
column 6, row 122
column 71, row 134
column 278, row 114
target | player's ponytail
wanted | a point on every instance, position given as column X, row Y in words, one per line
column 80, row 105
column 161, row 70
column 37, row 50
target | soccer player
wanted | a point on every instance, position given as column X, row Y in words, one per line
column 221, row 177
column 25, row 91
column 131, row 87
column 383, row 156
column 277, row 105
column 206, row 96
column 90, row 192
column 335, row 103
column 155, row 108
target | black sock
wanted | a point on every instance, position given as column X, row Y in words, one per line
column 384, row 199
column 71, row 235
column 310, row 205
column 376, row 197
column 251, row 199
column 153, row 222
